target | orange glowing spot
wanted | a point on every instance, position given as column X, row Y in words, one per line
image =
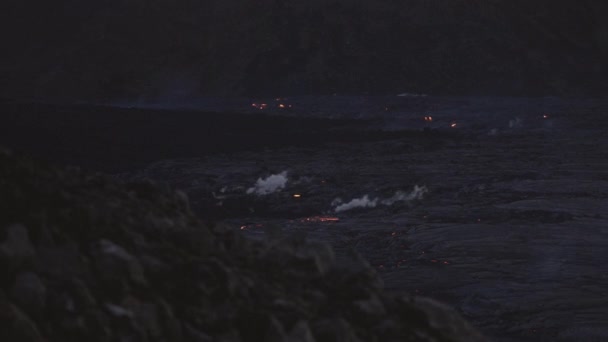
column 297, row 195
column 320, row 219
column 453, row 125
column 243, row 227
column 428, row 118
column 281, row 105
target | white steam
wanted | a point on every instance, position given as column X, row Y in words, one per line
column 515, row 123
column 269, row 185
column 399, row 196
column 366, row 202
column 363, row 202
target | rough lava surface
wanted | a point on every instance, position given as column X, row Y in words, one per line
column 88, row 258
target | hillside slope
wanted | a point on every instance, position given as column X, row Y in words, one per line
column 125, row 49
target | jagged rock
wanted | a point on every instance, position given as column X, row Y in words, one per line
column 194, row 335
column 275, row 331
column 118, row 311
column 98, row 325
column 182, row 199
column 301, row 333
column 232, row 336
column 334, row 330
column 74, row 326
column 16, row 248
column 146, row 316
column 84, row 300
column 115, row 265
column 61, row 303
column 171, row 325
column 154, row 267
column 61, row 261
column 15, row 325
column 371, row 307
column 317, row 258
column 89, row 282
column 29, row 293
column 444, row 321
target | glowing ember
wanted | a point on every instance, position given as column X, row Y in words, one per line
column 297, row 195
column 428, row 118
column 259, row 105
column 247, row 226
column 453, row 125
column 281, row 105
column 320, row 219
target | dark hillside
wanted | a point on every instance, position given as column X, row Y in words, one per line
column 125, row 49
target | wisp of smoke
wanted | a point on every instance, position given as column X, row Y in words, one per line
column 415, row 194
column 366, row 202
column 363, row 202
column 515, row 123
column 269, row 185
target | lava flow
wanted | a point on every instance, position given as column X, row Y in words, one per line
column 320, row 219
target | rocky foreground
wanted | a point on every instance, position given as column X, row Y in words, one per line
column 84, row 257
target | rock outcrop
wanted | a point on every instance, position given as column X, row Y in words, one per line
column 84, row 257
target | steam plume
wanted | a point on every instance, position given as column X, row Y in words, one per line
column 269, row 185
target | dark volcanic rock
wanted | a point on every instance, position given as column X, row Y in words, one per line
column 146, row 269
column 29, row 292
column 16, row 248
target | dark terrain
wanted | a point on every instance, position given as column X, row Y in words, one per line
column 480, row 181
column 510, row 230
column 87, row 258
column 182, row 49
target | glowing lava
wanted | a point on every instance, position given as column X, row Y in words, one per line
column 320, row 219
column 259, row 105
